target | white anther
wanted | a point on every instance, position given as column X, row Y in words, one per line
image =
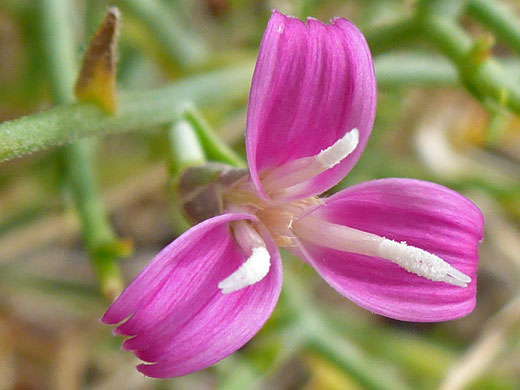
column 335, row 153
column 299, row 171
column 422, row 263
column 413, row 259
column 253, row 270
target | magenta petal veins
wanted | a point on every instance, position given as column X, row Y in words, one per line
column 424, row 215
column 422, row 263
column 178, row 317
column 312, row 84
column 402, row 248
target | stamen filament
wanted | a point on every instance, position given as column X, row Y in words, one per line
column 303, row 169
column 257, row 265
column 346, row 239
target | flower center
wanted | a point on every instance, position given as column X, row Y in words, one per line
column 289, row 220
column 277, row 215
column 279, row 212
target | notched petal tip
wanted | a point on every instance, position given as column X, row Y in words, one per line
column 312, row 81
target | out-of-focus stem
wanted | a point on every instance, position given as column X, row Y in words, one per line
column 185, row 148
column 136, row 110
column 484, row 78
column 387, row 37
column 216, row 149
column 59, row 45
column 443, row 8
column 181, row 46
column 98, row 235
column 435, row 20
column 236, row 374
column 500, row 20
column 492, row 340
column 76, row 159
column 326, row 341
column 184, row 151
column 396, row 70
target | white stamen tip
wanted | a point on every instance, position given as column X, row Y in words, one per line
column 422, row 263
column 253, row 270
column 339, row 150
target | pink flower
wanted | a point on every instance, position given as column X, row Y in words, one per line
column 402, row 248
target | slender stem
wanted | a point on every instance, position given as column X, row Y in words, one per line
column 435, row 21
column 441, row 8
column 141, row 109
column 98, row 235
column 387, row 37
column 448, row 36
column 409, row 69
column 237, row 373
column 185, row 148
column 495, row 337
column 59, row 47
column 484, row 78
column 76, row 159
column 215, row 148
column 12, row 275
column 184, row 151
column 499, row 19
column 180, row 45
column 326, row 341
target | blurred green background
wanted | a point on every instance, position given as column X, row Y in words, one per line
column 449, row 80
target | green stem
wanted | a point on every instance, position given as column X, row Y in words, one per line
column 500, row 20
column 449, row 38
column 77, row 158
column 387, row 37
column 184, row 145
column 98, row 235
column 12, row 276
column 410, row 69
column 215, row 148
column 142, row 109
column 326, row 341
column 184, row 151
column 181, row 46
column 237, row 373
column 484, row 78
column 449, row 9
column 59, row 48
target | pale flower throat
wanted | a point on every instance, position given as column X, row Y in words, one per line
column 290, row 221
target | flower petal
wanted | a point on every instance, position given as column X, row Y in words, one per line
column 425, row 215
column 180, row 320
column 312, row 84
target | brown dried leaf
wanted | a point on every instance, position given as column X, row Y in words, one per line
column 97, row 79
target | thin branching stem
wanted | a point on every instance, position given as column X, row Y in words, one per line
column 499, row 19
column 136, row 110
column 77, row 158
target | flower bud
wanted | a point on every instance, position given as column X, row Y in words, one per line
column 200, row 189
